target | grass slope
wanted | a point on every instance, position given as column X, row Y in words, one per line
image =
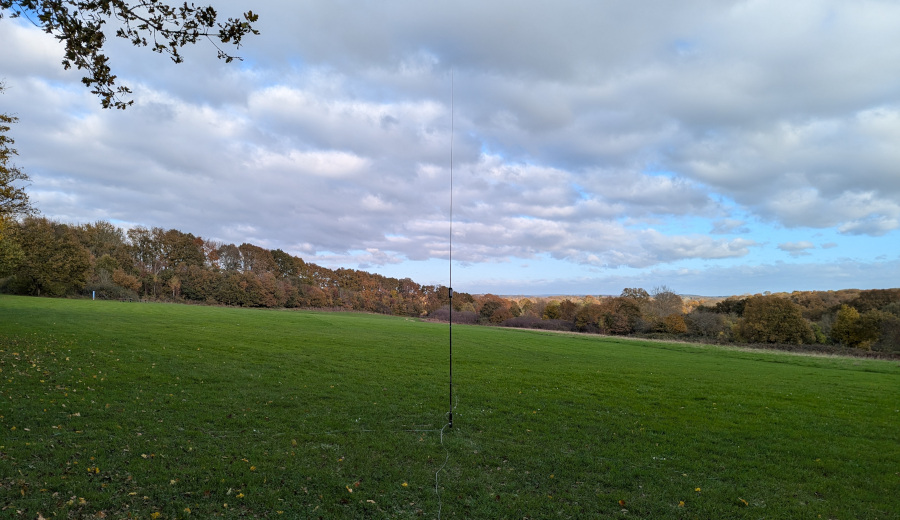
column 170, row 411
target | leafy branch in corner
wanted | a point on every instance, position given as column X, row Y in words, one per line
column 145, row 23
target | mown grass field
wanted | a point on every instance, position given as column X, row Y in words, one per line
column 113, row 409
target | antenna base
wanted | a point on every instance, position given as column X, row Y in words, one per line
column 450, row 419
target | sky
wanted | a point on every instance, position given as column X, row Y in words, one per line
column 713, row 147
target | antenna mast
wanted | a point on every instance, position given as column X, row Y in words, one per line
column 450, row 289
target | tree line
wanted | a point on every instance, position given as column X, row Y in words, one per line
column 46, row 258
column 41, row 257
column 860, row 319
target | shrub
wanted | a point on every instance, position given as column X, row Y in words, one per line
column 709, row 325
column 561, row 325
column 526, row 321
column 109, row 291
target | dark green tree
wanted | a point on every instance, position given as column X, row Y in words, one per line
column 80, row 25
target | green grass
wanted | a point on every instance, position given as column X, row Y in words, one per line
column 172, row 411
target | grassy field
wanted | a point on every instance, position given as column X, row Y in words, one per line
column 113, row 409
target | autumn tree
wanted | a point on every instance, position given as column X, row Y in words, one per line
column 526, row 306
column 100, row 238
column 14, row 200
column 733, row 305
column 493, row 309
column 229, row 257
column 889, row 340
column 463, row 302
column 567, row 310
column 635, row 293
column 862, row 330
column 812, row 303
column 587, row 318
column 619, row 315
column 869, row 328
column 662, row 312
column 875, row 299
column 773, row 319
column 210, row 250
column 146, row 248
column 256, row 259
column 180, row 249
column 123, row 279
column 552, row 311
column 709, row 325
column 52, row 262
column 843, row 330
column 166, row 29
column 200, row 283
column 286, row 266
column 11, row 256
column 665, row 302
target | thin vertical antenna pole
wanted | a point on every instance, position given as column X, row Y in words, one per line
column 450, row 292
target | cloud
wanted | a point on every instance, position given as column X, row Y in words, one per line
column 728, row 227
column 667, row 248
column 326, row 163
column 797, row 249
column 875, row 225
